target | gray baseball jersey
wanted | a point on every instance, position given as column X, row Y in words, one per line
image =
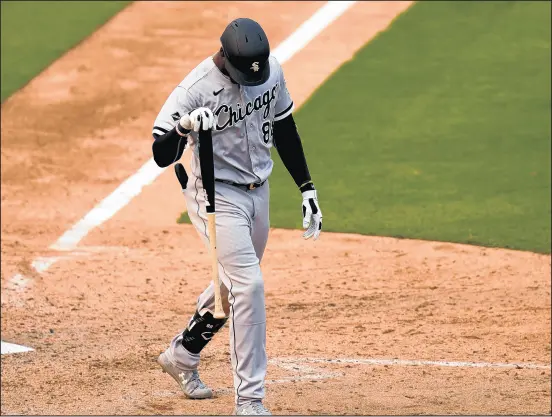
column 243, row 135
column 241, row 147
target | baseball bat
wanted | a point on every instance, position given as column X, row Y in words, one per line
column 207, row 168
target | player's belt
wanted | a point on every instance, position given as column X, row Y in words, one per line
column 245, row 187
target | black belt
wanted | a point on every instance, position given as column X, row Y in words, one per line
column 245, row 187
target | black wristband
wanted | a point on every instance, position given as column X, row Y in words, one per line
column 183, row 132
column 308, row 186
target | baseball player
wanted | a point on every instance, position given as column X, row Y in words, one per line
column 240, row 93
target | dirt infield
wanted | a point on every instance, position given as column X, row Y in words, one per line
column 356, row 324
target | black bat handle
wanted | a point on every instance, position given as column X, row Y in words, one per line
column 207, row 167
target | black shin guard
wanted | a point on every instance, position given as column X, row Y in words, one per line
column 200, row 330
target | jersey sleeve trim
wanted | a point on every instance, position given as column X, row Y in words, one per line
column 159, row 130
column 284, row 114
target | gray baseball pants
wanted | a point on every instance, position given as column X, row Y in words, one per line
column 242, row 221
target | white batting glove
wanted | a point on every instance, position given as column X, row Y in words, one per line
column 312, row 215
column 199, row 119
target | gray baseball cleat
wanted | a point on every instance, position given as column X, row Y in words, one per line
column 253, row 408
column 189, row 381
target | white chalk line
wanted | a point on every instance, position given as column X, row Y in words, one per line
column 133, row 185
column 301, row 373
column 20, row 282
column 7, row 348
column 311, row 28
column 306, row 373
column 415, row 362
column 114, row 202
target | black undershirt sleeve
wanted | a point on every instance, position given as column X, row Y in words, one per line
column 288, row 144
column 168, row 147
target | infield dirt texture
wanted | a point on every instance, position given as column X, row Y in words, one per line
column 439, row 129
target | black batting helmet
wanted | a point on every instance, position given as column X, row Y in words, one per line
column 246, row 49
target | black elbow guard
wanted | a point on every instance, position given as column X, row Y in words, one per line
column 168, row 148
column 159, row 156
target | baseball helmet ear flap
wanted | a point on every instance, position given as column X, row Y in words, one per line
column 246, row 50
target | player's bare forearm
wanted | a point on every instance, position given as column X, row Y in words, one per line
column 289, row 146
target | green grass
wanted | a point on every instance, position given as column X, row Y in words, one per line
column 35, row 33
column 438, row 129
column 184, row 218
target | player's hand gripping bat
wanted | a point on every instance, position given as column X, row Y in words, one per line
column 205, row 144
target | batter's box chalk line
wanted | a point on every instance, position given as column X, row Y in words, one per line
column 297, row 361
column 41, row 264
column 305, row 369
column 300, row 373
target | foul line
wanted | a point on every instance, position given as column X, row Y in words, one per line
column 119, row 198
